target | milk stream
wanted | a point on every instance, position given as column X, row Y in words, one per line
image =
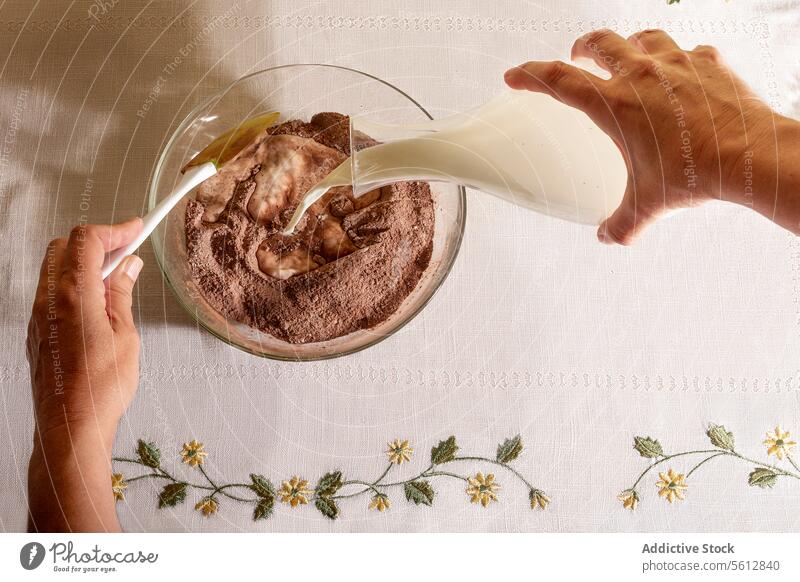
column 526, row 148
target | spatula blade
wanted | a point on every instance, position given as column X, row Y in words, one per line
column 230, row 143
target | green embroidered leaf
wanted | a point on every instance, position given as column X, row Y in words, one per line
column 172, row 495
column 329, row 484
column 149, row 454
column 720, row 437
column 264, row 508
column 762, row 477
column 509, row 450
column 262, row 486
column 647, row 447
column 419, row 492
column 327, row 507
column 445, row 451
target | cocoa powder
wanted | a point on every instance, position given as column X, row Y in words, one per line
column 348, row 266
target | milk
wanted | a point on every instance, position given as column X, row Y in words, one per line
column 526, row 148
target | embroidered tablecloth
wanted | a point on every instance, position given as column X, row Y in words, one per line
column 688, row 340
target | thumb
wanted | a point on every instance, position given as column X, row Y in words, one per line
column 120, row 288
column 626, row 224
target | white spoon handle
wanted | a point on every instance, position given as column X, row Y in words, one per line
column 152, row 219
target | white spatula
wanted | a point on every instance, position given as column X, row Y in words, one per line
column 198, row 170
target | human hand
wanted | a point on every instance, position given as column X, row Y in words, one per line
column 684, row 122
column 83, row 347
column 83, row 351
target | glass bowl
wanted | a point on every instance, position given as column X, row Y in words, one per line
column 297, row 92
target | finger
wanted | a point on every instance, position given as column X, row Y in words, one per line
column 120, row 293
column 626, row 224
column 708, row 52
column 50, row 270
column 568, row 84
column 652, row 41
column 606, row 48
column 88, row 245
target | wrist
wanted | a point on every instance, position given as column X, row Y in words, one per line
column 756, row 161
column 69, row 479
column 64, row 439
column 62, row 417
column 768, row 179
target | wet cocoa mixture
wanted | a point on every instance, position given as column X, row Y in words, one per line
column 348, row 266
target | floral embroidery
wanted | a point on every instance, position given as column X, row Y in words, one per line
column 399, row 452
column 482, row 489
column 118, row 486
column 380, row 502
column 629, row 498
column 295, row 492
column 207, row 506
column 332, row 488
column 672, row 485
column 193, row 453
column 538, row 499
column 778, row 443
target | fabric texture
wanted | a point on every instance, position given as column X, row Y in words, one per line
column 539, row 330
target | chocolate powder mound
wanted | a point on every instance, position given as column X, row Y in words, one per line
column 350, row 263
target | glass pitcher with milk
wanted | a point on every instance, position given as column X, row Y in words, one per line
column 526, row 148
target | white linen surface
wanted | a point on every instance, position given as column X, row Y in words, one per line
column 539, row 330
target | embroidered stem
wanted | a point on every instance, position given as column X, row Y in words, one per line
column 672, row 484
column 419, row 476
column 126, row 460
column 296, row 492
column 370, row 487
column 162, row 474
column 145, row 476
column 791, row 460
column 775, row 468
column 498, row 463
column 374, row 486
column 210, row 482
column 701, row 463
column 667, row 458
column 221, row 490
column 428, row 473
column 446, row 474
column 383, row 475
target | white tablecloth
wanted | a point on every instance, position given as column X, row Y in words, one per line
column 539, row 330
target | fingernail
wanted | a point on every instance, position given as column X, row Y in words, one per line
column 510, row 76
column 603, row 237
column 132, row 266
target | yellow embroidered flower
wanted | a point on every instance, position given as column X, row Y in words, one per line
column 380, row 502
column 671, row 485
column 538, row 499
column 208, row 506
column 482, row 489
column 193, row 453
column 295, row 492
column 778, row 443
column 399, row 452
column 629, row 498
column 118, row 486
